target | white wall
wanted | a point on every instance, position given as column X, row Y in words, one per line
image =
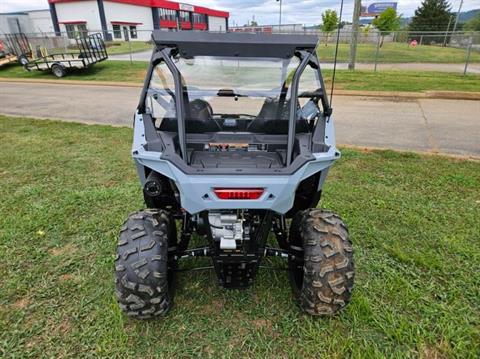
column 130, row 13
column 7, row 26
column 79, row 11
column 41, row 21
column 216, row 23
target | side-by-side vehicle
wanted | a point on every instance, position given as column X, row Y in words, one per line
column 233, row 140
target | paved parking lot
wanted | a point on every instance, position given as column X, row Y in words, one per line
column 429, row 125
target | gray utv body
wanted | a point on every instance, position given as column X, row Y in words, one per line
column 197, row 172
column 233, row 140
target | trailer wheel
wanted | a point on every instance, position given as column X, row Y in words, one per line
column 144, row 273
column 58, row 70
column 323, row 279
column 22, row 59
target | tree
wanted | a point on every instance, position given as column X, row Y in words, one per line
column 329, row 23
column 366, row 31
column 431, row 15
column 387, row 22
column 473, row 24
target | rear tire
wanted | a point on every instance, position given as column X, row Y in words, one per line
column 323, row 279
column 144, row 273
column 58, row 70
column 23, row 60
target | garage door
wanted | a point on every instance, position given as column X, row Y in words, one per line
column 216, row 23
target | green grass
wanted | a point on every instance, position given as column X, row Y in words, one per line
column 117, row 71
column 125, row 47
column 389, row 53
column 415, row 81
column 66, row 188
column 113, row 47
column 398, row 53
column 410, row 81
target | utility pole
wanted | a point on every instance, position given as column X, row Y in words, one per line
column 354, row 38
column 458, row 15
column 280, row 16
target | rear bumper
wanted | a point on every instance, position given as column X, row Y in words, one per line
column 196, row 190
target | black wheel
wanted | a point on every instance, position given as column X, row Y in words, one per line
column 58, row 70
column 144, row 273
column 323, row 279
column 22, row 59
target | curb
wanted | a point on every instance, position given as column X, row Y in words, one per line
column 443, row 95
column 71, row 82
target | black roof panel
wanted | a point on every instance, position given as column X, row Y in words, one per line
column 191, row 43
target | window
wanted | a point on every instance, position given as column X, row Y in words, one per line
column 199, row 18
column 117, row 32
column 251, row 90
column 167, row 14
column 160, row 101
column 184, row 16
column 70, row 31
column 133, row 32
column 76, row 30
column 82, row 30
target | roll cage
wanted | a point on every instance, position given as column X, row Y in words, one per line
column 187, row 45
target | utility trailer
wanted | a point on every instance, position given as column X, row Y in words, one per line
column 92, row 50
column 15, row 48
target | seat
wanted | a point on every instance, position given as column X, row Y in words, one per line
column 199, row 119
column 267, row 121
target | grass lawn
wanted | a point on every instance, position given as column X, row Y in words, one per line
column 416, row 81
column 66, row 188
column 395, row 52
column 125, row 47
column 119, row 71
column 113, row 47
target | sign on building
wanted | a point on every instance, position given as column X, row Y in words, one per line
column 376, row 8
column 186, row 7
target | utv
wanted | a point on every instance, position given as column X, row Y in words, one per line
column 233, row 140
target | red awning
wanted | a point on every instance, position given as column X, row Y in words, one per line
column 73, row 22
column 126, row 23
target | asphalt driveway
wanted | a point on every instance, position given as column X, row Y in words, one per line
column 427, row 125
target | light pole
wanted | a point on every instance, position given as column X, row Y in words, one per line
column 280, row 16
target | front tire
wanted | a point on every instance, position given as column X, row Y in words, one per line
column 323, row 279
column 144, row 273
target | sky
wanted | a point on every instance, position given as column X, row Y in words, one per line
column 267, row 11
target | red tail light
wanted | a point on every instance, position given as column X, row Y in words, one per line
column 238, row 193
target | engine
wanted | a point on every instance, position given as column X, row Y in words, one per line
column 228, row 230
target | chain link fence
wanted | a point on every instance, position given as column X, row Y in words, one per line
column 457, row 52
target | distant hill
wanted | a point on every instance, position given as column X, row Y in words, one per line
column 467, row 15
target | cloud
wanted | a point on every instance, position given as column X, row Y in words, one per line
column 15, row 5
column 266, row 11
